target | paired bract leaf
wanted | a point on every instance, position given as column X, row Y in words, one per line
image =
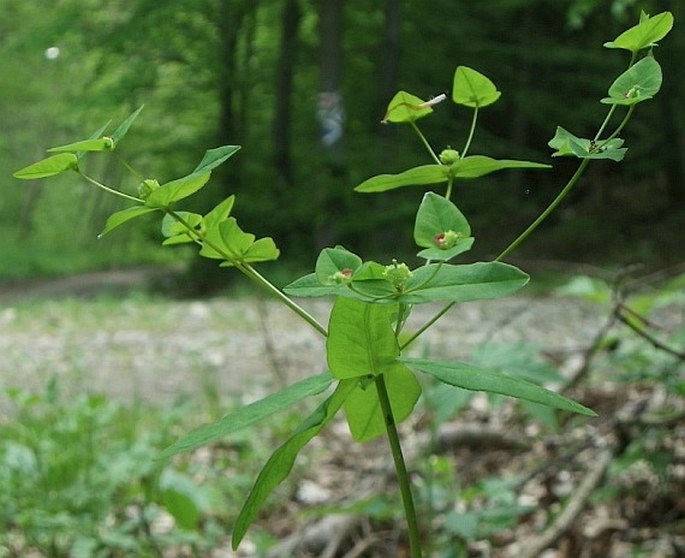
column 175, row 231
column 123, row 128
column 177, row 189
column 468, row 376
column 638, row 83
column 569, row 145
column 645, row 34
column 281, row 462
column 418, row 176
column 361, row 340
column 121, row 217
column 405, row 107
column 52, row 166
column 250, row 414
column 473, row 89
column 335, row 265
column 215, row 157
column 479, row 165
column 441, row 228
column 363, row 410
column 90, row 145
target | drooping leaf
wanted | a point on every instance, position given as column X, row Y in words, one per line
column 361, row 340
column 645, row 34
column 90, row 145
column 363, row 410
column 462, row 283
column 215, row 157
column 121, row 217
column 123, row 128
column 638, row 83
column 468, row 376
column 418, row 176
column 281, row 462
column 176, row 190
column 476, row 166
column 52, row 166
column 249, row 414
column 405, row 107
column 473, row 89
column 569, row 145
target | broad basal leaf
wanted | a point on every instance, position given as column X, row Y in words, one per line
column 363, row 409
column 640, row 82
column 250, row 414
column 418, row 176
column 361, row 340
column 281, row 462
column 467, row 376
column 473, row 89
column 645, row 34
column 52, row 166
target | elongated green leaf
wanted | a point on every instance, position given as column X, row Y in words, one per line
column 336, row 265
column 645, row 34
column 90, row 145
column 177, row 189
column 250, row 414
column 462, row 283
column 121, row 217
column 569, row 145
column 52, row 166
column 480, row 165
column 437, row 216
column 361, row 340
column 405, row 107
column 281, row 462
column 214, row 157
column 418, row 176
column 363, row 410
column 123, row 128
column 638, row 83
column 473, row 89
column 467, row 376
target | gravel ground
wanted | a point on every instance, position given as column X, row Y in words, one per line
column 159, row 349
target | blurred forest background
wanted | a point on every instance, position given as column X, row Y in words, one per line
column 254, row 73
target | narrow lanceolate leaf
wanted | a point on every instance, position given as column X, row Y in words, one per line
column 645, row 34
column 638, row 83
column 177, row 189
column 90, row 145
column 52, row 166
column 123, row 128
column 361, row 340
column 480, row 165
column 250, row 414
column 214, row 157
column 418, row 176
column 467, row 376
column 121, row 217
column 473, row 89
column 405, row 107
column 462, row 283
column 281, row 462
column 363, row 410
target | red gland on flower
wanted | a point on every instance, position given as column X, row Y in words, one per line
column 446, row 240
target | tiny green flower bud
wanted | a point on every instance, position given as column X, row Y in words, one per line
column 397, row 274
column 146, row 187
column 446, row 240
column 342, row 276
column 449, row 156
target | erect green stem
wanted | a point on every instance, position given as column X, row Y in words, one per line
column 425, row 142
column 400, row 467
column 606, row 122
column 252, row 274
column 471, row 132
column 450, row 182
column 108, row 189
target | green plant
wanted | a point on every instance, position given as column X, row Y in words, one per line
column 373, row 379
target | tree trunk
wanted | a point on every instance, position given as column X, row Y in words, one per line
column 388, row 63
